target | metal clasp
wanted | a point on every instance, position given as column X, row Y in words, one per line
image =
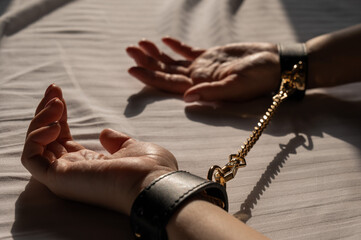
column 292, row 81
column 228, row 171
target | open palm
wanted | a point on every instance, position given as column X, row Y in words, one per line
column 74, row 172
column 240, row 71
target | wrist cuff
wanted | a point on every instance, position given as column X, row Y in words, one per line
column 155, row 205
column 290, row 54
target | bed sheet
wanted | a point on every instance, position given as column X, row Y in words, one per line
column 303, row 176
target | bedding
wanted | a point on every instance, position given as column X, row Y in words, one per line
column 303, row 176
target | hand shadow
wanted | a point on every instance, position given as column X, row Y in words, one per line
column 138, row 102
column 313, row 116
column 39, row 214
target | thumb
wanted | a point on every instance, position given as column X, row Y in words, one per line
column 112, row 140
column 225, row 89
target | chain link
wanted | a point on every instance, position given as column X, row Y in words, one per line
column 291, row 81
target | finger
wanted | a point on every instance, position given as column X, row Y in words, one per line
column 170, row 65
column 72, row 146
column 152, row 50
column 52, row 112
column 142, row 59
column 184, row 50
column 204, row 73
column 175, row 83
column 57, row 149
column 54, row 91
column 39, row 139
column 51, row 92
column 34, row 147
column 112, row 140
column 49, row 155
column 226, row 89
column 65, row 134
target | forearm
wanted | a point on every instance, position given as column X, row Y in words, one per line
column 335, row 58
column 199, row 219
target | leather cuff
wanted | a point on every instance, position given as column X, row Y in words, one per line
column 290, row 54
column 155, row 205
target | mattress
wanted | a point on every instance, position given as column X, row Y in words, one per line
column 303, row 176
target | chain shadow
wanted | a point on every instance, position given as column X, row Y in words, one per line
column 272, row 170
column 316, row 115
column 39, row 214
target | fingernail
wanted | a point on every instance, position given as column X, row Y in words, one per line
column 51, row 101
column 49, row 88
column 137, row 71
column 130, row 52
column 131, row 46
column 192, row 97
column 131, row 70
column 53, row 123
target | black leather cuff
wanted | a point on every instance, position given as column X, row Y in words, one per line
column 155, row 205
column 290, row 54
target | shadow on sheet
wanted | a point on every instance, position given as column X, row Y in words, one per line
column 316, row 115
column 39, row 214
column 15, row 21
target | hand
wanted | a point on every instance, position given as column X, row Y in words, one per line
column 74, row 172
column 239, row 71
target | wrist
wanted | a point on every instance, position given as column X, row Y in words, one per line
column 183, row 223
column 323, row 58
column 294, row 65
column 315, row 62
column 197, row 218
column 123, row 200
column 335, row 57
column 156, row 204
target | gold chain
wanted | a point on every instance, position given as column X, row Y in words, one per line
column 291, row 81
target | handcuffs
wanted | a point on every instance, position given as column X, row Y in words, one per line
column 293, row 61
column 155, row 205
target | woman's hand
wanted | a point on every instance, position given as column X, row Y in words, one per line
column 74, row 172
column 240, row 71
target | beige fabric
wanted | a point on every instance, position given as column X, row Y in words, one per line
column 303, row 177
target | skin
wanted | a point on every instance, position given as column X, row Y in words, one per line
column 334, row 58
column 71, row 171
column 243, row 71
column 114, row 180
column 232, row 72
